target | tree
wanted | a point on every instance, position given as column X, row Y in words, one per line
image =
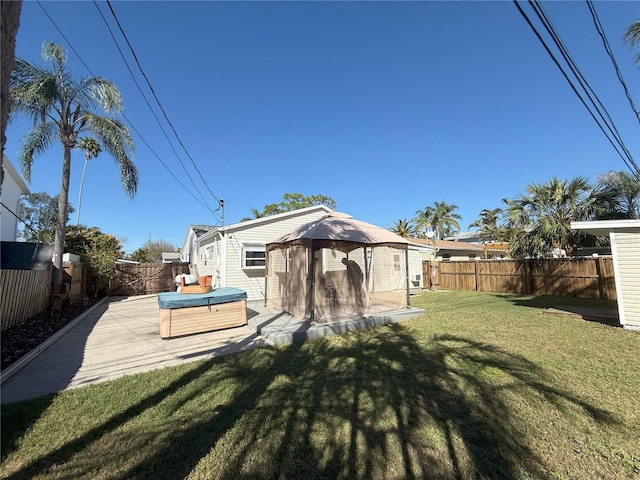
column 632, row 38
column 405, row 228
column 91, row 149
column 544, row 214
column 621, row 190
column 441, row 218
column 10, row 22
column 62, row 108
column 293, row 201
column 488, row 226
column 99, row 251
column 151, row 251
column 40, row 212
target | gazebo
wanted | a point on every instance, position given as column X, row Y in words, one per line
column 337, row 268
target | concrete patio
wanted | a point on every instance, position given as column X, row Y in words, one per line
column 120, row 336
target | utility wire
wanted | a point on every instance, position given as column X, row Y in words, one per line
column 600, row 30
column 628, row 161
column 600, row 108
column 123, row 115
column 158, row 101
column 19, row 219
column 145, row 99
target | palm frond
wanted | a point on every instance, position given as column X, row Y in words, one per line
column 36, row 141
column 117, row 141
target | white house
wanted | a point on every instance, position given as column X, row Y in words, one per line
column 12, row 188
column 625, row 249
column 235, row 256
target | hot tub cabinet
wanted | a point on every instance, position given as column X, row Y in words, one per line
column 188, row 313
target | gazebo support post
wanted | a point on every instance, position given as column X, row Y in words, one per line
column 406, row 261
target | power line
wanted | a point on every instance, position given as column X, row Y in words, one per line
column 607, row 48
column 146, row 101
column 626, row 157
column 19, row 219
column 158, row 101
column 201, row 202
column 599, row 106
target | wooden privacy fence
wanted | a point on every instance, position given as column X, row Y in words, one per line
column 25, row 293
column 146, row 278
column 575, row 277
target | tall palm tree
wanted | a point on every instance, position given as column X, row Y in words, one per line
column 440, row 218
column 62, row 108
column 91, row 149
column 545, row 212
column 487, row 225
column 405, row 228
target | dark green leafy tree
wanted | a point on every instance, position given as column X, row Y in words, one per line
column 293, row 201
column 441, row 218
column 152, row 250
column 543, row 215
column 40, row 214
column 62, row 108
column 405, row 228
column 99, row 251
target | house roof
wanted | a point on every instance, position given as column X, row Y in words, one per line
column 450, row 245
column 268, row 219
column 201, row 229
column 604, row 227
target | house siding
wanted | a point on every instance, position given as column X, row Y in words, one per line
column 226, row 267
column 626, row 252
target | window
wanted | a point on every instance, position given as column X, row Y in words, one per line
column 253, row 257
column 396, row 263
column 446, row 257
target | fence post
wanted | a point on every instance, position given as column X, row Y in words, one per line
column 475, row 276
column 601, row 280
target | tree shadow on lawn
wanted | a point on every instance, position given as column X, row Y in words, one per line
column 371, row 405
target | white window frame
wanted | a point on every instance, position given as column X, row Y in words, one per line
column 253, row 248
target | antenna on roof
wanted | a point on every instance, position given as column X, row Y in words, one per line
column 221, row 201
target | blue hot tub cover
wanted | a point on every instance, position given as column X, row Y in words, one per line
column 170, row 300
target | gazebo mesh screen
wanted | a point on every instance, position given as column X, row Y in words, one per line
column 341, row 282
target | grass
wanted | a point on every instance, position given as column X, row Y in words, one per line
column 481, row 386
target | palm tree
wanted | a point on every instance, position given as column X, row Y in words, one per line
column 632, row 37
column 622, row 192
column 91, row 149
column 545, row 212
column 405, row 228
column 62, row 108
column 487, row 225
column 440, row 218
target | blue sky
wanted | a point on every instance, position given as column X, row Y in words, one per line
column 386, row 107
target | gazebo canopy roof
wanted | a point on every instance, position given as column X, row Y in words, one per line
column 338, row 230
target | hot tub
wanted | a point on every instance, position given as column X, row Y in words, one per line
column 188, row 313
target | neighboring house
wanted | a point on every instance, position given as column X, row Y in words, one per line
column 447, row 250
column 625, row 249
column 189, row 250
column 12, row 188
column 235, row 256
column 171, row 257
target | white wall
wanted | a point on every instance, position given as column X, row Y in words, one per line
column 626, row 254
column 12, row 187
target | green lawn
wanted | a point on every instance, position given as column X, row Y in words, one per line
column 481, row 386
